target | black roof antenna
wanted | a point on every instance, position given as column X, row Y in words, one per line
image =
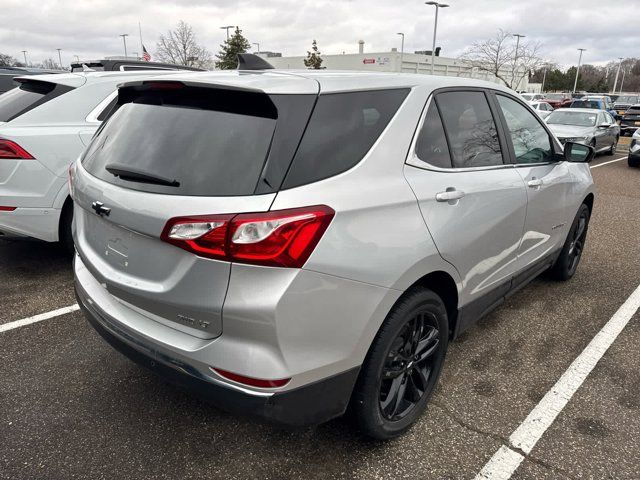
column 249, row 61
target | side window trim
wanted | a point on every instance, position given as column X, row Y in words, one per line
column 505, row 128
column 93, row 115
column 415, row 161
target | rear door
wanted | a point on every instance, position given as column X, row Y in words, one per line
column 473, row 202
column 172, row 151
column 547, row 179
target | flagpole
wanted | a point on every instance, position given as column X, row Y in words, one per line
column 141, row 45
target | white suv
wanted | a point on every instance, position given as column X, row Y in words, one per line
column 44, row 125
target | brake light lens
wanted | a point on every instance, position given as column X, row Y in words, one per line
column 7, row 209
column 12, row 151
column 253, row 382
column 284, row 238
column 203, row 235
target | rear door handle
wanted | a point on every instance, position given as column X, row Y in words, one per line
column 535, row 183
column 449, row 195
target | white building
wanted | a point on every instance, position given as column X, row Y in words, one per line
column 392, row 61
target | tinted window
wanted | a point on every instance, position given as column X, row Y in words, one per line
column 105, row 113
column 472, row 134
column 210, row 142
column 27, row 96
column 342, row 129
column 530, row 140
column 431, row 146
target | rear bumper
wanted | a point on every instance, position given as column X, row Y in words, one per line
column 308, row 405
column 40, row 223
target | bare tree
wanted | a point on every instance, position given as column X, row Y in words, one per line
column 7, row 60
column 180, row 47
column 498, row 56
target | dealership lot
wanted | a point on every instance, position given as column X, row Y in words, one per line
column 72, row 407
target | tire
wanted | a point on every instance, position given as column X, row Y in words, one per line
column 567, row 263
column 65, row 235
column 633, row 162
column 614, row 146
column 392, row 366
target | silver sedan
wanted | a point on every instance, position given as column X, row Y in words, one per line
column 589, row 126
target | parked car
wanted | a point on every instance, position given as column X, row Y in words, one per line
column 594, row 103
column 595, row 128
column 532, row 97
column 542, row 108
column 7, row 75
column 634, row 150
column 623, row 102
column 558, row 100
column 630, row 121
column 608, row 103
column 273, row 244
column 44, row 125
column 126, row 65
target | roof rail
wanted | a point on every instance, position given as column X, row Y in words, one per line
column 249, row 61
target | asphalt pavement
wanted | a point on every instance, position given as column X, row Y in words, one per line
column 72, row 407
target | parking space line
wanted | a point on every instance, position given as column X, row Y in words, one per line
column 607, row 163
column 38, row 318
column 507, row 459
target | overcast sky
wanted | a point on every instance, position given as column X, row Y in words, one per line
column 90, row 29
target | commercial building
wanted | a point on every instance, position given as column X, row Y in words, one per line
column 393, row 61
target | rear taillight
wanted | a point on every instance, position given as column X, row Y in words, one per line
column 7, row 209
column 284, row 238
column 12, row 151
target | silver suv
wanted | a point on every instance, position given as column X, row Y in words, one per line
column 291, row 243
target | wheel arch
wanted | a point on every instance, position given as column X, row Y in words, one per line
column 588, row 201
column 442, row 284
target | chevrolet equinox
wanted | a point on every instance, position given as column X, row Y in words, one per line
column 292, row 243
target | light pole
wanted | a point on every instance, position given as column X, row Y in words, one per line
column 401, row 50
column 615, row 83
column 435, row 29
column 544, row 76
column 515, row 60
column 24, row 52
column 257, row 45
column 227, row 29
column 575, row 84
column 624, row 72
column 59, row 57
column 124, row 40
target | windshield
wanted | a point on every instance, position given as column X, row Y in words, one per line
column 580, row 119
column 586, row 104
column 627, row 99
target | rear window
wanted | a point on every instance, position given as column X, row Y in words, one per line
column 585, row 104
column 342, row 129
column 204, row 142
column 27, row 96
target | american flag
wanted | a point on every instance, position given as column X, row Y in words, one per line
column 145, row 55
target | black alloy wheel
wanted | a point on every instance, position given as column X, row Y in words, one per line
column 403, row 365
column 407, row 372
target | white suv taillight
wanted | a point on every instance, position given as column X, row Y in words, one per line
column 284, row 238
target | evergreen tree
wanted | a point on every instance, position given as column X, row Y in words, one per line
column 228, row 59
column 313, row 60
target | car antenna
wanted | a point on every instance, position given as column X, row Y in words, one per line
column 249, row 61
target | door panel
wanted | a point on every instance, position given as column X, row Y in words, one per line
column 479, row 233
column 548, row 219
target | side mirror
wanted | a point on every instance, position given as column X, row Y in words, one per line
column 577, row 152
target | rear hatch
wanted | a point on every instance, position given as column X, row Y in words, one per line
column 179, row 149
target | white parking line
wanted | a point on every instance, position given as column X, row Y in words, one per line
column 507, row 459
column 5, row 327
column 610, row 161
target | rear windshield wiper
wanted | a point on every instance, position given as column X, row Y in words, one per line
column 126, row 172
